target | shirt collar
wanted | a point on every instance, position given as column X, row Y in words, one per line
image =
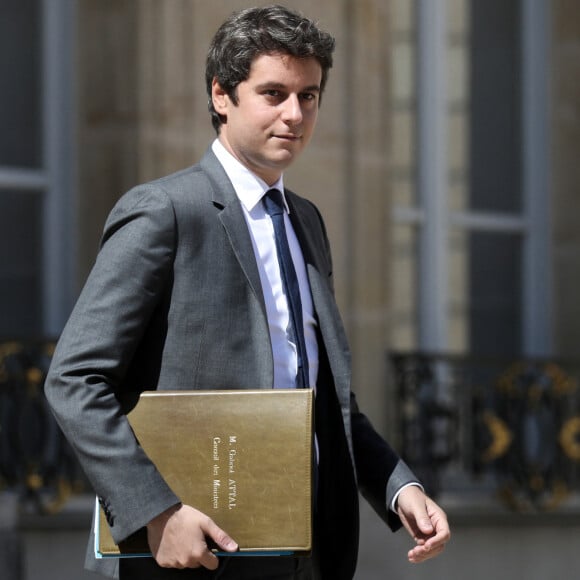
column 248, row 186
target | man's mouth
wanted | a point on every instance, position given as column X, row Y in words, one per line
column 288, row 137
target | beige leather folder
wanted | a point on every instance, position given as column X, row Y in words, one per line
column 243, row 457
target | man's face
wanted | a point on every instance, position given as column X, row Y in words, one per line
column 275, row 115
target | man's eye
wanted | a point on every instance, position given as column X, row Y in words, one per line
column 273, row 93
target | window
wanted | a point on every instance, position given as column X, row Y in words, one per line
column 36, row 164
column 469, row 171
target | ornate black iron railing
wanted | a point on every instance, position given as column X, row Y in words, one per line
column 506, row 427
column 35, row 459
column 466, row 425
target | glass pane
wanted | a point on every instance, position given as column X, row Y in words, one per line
column 495, row 164
column 21, row 95
column 404, row 288
column 20, row 264
column 495, row 293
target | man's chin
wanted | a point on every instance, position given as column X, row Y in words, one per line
column 285, row 155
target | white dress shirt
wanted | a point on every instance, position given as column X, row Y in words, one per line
column 250, row 189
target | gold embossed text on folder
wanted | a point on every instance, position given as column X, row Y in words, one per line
column 243, row 457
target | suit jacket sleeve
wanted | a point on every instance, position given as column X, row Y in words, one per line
column 85, row 385
column 380, row 470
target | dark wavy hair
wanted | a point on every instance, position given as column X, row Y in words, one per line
column 250, row 33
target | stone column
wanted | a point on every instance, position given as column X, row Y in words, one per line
column 367, row 191
column 107, row 121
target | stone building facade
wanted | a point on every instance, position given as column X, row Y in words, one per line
column 444, row 164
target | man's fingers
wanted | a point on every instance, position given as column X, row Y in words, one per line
column 221, row 538
column 425, row 521
column 420, row 553
column 179, row 538
column 206, row 559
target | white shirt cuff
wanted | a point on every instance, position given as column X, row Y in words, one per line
column 393, row 505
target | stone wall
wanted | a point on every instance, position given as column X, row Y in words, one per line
column 142, row 113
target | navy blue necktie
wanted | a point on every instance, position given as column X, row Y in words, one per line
column 274, row 205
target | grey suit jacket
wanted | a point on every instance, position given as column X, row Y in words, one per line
column 174, row 301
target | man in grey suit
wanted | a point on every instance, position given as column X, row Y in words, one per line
column 186, row 293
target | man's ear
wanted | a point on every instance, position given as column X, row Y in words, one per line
column 220, row 98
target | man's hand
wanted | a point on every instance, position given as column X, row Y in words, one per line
column 425, row 521
column 177, row 538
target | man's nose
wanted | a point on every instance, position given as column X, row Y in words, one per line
column 292, row 113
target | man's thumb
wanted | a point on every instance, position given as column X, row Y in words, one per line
column 425, row 524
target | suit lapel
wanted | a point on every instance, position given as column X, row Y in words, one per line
column 318, row 267
column 231, row 215
column 301, row 222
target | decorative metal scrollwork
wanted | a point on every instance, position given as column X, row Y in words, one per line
column 35, row 459
column 569, row 438
column 503, row 427
column 429, row 422
column 533, row 434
